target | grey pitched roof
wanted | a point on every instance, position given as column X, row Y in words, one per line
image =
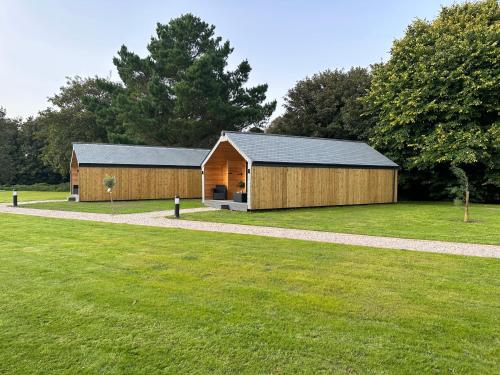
column 281, row 149
column 96, row 153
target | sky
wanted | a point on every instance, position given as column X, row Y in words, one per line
column 42, row 42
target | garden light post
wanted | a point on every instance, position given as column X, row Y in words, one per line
column 14, row 198
column 177, row 201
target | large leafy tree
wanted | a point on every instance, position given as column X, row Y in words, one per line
column 80, row 114
column 327, row 105
column 436, row 101
column 182, row 93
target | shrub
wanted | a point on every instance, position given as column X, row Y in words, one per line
column 38, row 187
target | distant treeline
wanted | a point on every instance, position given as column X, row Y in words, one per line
column 432, row 107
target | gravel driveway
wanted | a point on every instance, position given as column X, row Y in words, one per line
column 158, row 219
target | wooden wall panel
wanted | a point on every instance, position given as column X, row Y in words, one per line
column 395, row 185
column 288, row 187
column 139, row 183
column 225, row 167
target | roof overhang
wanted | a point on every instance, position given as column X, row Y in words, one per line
column 73, row 155
column 95, row 165
column 224, row 138
column 310, row 165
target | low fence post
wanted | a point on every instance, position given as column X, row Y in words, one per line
column 14, row 198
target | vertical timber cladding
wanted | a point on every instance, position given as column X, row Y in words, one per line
column 395, row 189
column 225, row 167
column 133, row 183
column 287, row 187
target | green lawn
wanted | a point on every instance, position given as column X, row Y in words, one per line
column 423, row 220
column 84, row 297
column 23, row 196
column 119, row 207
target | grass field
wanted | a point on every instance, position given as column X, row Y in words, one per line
column 119, row 207
column 82, row 297
column 24, row 196
column 421, row 220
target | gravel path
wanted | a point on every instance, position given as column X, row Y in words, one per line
column 157, row 219
column 44, row 201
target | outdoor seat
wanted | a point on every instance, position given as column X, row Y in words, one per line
column 220, row 192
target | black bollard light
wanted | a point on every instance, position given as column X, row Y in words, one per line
column 177, row 206
column 14, row 198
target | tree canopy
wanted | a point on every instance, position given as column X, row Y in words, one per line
column 327, row 105
column 436, row 100
column 75, row 117
column 182, row 93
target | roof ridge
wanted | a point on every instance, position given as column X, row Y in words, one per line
column 129, row 145
column 293, row 136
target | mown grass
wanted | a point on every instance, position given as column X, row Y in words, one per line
column 82, row 297
column 118, row 207
column 24, row 196
column 421, row 220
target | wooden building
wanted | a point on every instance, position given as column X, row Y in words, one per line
column 286, row 171
column 141, row 172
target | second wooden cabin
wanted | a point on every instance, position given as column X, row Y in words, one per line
column 141, row 172
column 286, row 171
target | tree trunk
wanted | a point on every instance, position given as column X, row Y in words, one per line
column 111, row 199
column 466, row 212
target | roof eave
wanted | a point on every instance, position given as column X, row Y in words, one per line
column 323, row 165
column 122, row 165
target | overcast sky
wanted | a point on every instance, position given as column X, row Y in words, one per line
column 42, row 42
